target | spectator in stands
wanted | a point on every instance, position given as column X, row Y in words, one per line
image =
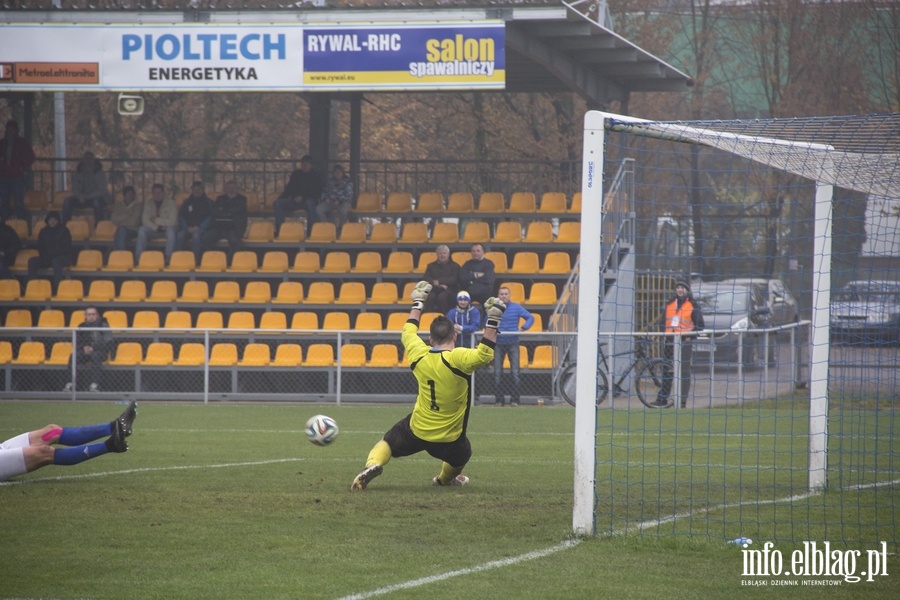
column 126, row 216
column 337, row 198
column 54, row 249
column 477, row 275
column 514, row 320
column 228, row 219
column 466, row 319
column 16, row 158
column 443, row 275
column 682, row 315
column 89, row 189
column 10, row 244
column 158, row 218
column 92, row 347
column 194, row 219
column 30, row 451
column 303, row 190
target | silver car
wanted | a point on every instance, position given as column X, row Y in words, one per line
column 866, row 311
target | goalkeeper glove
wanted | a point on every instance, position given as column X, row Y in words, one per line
column 420, row 293
column 494, row 308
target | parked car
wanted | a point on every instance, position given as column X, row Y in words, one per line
column 866, row 311
column 735, row 306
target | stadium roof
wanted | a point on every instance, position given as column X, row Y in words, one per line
column 549, row 47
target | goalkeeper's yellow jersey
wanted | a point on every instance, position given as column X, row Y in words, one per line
column 445, row 377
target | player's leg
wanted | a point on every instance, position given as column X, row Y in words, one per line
column 398, row 441
column 455, row 457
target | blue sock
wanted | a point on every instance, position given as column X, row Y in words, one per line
column 77, row 454
column 75, row 436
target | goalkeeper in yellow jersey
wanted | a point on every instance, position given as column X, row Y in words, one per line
column 437, row 423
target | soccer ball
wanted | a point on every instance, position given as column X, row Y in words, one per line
column 321, row 430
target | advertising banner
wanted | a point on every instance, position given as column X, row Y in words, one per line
column 427, row 56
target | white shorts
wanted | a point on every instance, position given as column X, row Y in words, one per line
column 12, row 457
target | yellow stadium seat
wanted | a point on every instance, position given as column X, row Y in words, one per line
column 289, row 292
column 104, row 231
column 414, row 233
column 322, row 233
column 353, row 355
column 243, row 261
column 117, row 319
column 101, row 290
column 20, row 226
column 576, row 203
column 399, row 262
column 525, row 263
column 491, row 202
column 180, row 197
column 274, row 261
column 430, row 202
column 30, row 353
column 384, row 356
column 76, row 318
column 538, row 324
column 306, row 262
column 11, row 289
column 88, row 260
column 407, row 290
column 223, row 355
column 368, row 321
column 319, row 355
column 399, row 202
column 178, row 320
column 241, row 319
column 287, row 355
column 508, row 232
column 498, row 257
column 145, row 319
column 212, row 261
column 190, row 354
column 368, row 202
column 260, row 232
column 445, row 233
column 6, row 353
column 22, row 258
column 159, row 354
column 516, row 290
column 132, row 291
column 383, row 233
column 163, row 290
column 396, row 321
column 352, row 233
column 210, row 319
column 59, row 354
column 292, row 232
column 128, row 354
column 460, row 202
column 37, row 290
column 367, row 262
column 255, row 355
column 272, row 321
column 336, row 320
column 539, row 232
column 320, row 292
column 556, row 262
column 542, row 292
column 569, row 232
column 461, row 257
column 305, row 321
column 257, row 292
column 182, row 261
column 523, row 358
column 254, row 204
column 476, row 232
column 425, row 259
column 383, row 292
column 553, row 202
column 194, row 292
column 36, row 229
column 19, row 318
column 351, row 292
column 37, row 200
column 336, row 262
column 151, row 261
column 522, row 202
column 426, row 320
column 80, row 229
column 226, row 292
column 51, row 318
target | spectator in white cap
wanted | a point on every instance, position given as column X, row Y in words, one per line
column 466, row 319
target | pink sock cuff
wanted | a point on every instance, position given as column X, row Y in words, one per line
column 52, row 434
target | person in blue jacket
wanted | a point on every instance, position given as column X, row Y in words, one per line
column 515, row 319
column 466, row 319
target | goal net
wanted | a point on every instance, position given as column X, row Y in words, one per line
column 775, row 418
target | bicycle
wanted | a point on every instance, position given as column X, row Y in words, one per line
column 648, row 374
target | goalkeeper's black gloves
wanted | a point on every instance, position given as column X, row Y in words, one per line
column 494, row 308
column 420, row 293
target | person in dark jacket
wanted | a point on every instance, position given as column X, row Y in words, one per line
column 303, row 190
column 89, row 189
column 54, row 249
column 16, row 158
column 477, row 276
column 10, row 244
column 682, row 315
column 194, row 219
column 92, row 346
column 228, row 219
column 443, row 275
